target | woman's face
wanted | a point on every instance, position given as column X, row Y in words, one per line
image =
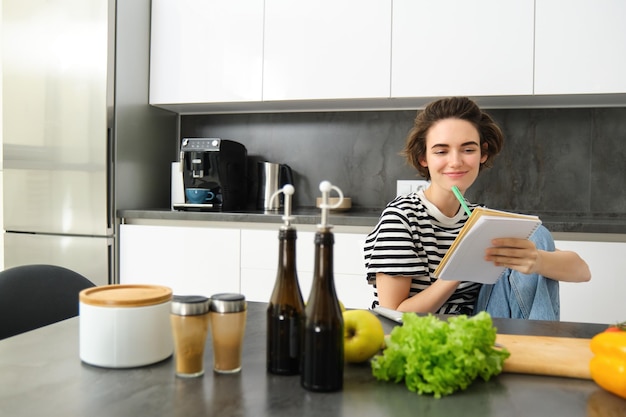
column 453, row 155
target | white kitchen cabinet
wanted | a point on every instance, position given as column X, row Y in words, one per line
column 206, row 51
column 597, row 301
column 458, row 47
column 601, row 300
column 259, row 261
column 215, row 56
column 579, row 47
column 207, row 260
column 326, row 49
column 190, row 260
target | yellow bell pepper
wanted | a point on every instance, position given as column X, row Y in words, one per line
column 608, row 366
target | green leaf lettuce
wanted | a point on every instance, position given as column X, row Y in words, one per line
column 439, row 357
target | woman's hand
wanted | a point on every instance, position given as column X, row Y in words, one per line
column 519, row 254
column 522, row 255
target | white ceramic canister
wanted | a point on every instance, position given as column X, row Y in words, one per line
column 124, row 326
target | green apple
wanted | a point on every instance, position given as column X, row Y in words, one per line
column 363, row 335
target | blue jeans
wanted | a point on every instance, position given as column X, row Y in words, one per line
column 521, row 296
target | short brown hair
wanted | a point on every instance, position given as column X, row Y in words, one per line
column 452, row 108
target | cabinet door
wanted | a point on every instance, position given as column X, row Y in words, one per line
column 580, row 47
column 326, row 49
column 459, row 47
column 259, row 259
column 190, row 260
column 350, row 278
column 206, row 51
column 601, row 300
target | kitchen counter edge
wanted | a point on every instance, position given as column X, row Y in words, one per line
column 574, row 227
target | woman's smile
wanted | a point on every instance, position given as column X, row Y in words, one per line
column 456, row 174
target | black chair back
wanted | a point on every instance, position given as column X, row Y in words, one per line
column 33, row 296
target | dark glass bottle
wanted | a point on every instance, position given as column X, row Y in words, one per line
column 322, row 358
column 285, row 311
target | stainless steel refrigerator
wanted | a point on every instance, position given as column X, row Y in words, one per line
column 79, row 138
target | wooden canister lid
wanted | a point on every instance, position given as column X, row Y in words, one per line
column 125, row 295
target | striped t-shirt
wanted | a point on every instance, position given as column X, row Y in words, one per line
column 410, row 239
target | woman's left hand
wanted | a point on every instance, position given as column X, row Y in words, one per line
column 519, row 254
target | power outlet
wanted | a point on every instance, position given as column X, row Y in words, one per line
column 408, row 186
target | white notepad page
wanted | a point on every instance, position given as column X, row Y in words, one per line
column 468, row 263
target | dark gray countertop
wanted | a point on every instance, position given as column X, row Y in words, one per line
column 555, row 222
column 41, row 374
column 354, row 217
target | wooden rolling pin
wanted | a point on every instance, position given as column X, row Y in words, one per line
column 542, row 355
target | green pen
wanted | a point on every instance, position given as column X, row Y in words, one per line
column 459, row 197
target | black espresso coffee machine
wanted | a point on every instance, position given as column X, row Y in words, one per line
column 214, row 174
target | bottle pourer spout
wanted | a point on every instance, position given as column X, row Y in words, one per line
column 326, row 187
column 288, row 190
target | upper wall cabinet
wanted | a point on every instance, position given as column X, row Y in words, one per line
column 326, row 49
column 206, row 51
column 580, row 47
column 460, row 47
column 224, row 56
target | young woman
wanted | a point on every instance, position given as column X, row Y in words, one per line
column 451, row 142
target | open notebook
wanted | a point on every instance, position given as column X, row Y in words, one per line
column 465, row 261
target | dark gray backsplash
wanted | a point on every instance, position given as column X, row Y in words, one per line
column 570, row 161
